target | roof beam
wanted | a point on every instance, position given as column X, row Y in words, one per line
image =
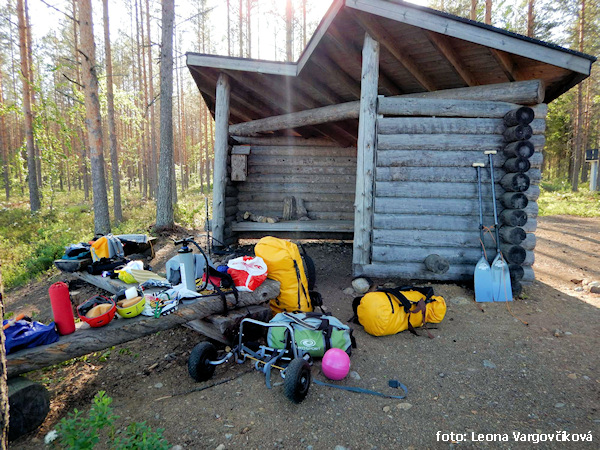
column 376, row 30
column 346, row 47
column 483, row 35
column 332, row 69
column 442, row 44
column 506, row 63
column 242, row 64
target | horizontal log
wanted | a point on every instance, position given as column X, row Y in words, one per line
column 449, row 158
column 520, row 92
column 513, row 254
column 333, row 113
column 513, row 217
column 285, row 140
column 299, row 160
column 418, row 271
column 432, row 221
column 448, row 125
column 450, row 174
column 311, row 206
column 312, row 226
column 409, row 189
column 402, row 254
column 524, row 149
column 118, row 332
column 516, row 272
column 518, row 133
column 313, row 215
column 282, row 186
column 437, row 264
column 277, row 197
column 453, row 207
column 514, row 165
column 304, row 179
column 515, row 182
column 529, row 242
column 514, row 200
column 519, row 116
column 449, row 142
column 302, row 169
column 438, row 107
column 512, row 235
column 291, row 150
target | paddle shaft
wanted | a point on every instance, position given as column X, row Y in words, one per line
column 480, row 209
column 494, row 203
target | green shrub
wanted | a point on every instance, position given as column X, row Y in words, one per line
column 80, row 432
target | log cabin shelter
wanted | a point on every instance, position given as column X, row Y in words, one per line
column 372, row 133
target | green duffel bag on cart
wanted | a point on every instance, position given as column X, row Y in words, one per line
column 315, row 333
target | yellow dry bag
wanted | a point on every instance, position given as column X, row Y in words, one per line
column 284, row 264
column 390, row 311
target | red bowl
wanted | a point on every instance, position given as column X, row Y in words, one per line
column 101, row 320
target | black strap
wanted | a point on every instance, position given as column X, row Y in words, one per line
column 355, row 303
column 396, row 292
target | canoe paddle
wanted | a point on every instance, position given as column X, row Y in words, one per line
column 501, row 286
column 483, row 271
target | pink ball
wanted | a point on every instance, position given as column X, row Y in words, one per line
column 335, row 364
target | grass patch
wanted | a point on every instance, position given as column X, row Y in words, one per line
column 556, row 198
column 30, row 242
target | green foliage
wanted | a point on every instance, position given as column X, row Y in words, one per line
column 556, row 198
column 79, row 432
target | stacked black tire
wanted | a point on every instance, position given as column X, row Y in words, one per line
column 513, row 217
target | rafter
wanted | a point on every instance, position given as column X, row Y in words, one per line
column 372, row 26
column 443, row 45
column 506, row 63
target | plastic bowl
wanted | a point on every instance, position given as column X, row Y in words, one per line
column 132, row 310
column 102, row 319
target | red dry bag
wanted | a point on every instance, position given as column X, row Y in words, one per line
column 61, row 308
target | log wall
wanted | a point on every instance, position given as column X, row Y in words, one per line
column 321, row 175
column 425, row 199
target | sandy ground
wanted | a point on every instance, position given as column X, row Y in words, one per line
column 486, row 372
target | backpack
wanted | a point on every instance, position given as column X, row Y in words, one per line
column 390, row 311
column 27, row 334
column 285, row 265
column 314, row 333
column 107, row 246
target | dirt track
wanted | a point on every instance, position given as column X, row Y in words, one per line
column 485, row 372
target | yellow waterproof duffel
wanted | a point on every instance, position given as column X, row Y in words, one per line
column 284, row 264
column 390, row 311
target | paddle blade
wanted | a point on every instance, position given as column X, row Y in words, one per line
column 502, row 288
column 483, row 281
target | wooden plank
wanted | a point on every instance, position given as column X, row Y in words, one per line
column 288, row 140
column 208, row 330
column 365, row 165
column 445, row 206
column 448, row 142
column 311, row 206
column 293, row 161
column 239, row 167
column 296, row 188
column 312, row 215
column 108, row 284
column 450, row 158
column 421, row 189
column 448, row 125
column 241, row 64
column 306, row 196
column 315, row 116
column 303, row 151
column 377, row 31
column 418, row 271
column 241, row 150
column 444, row 47
column 323, row 172
column 427, row 222
column 301, row 226
column 441, row 107
column 85, row 341
column 450, row 174
column 429, row 20
column 307, row 179
column 220, row 160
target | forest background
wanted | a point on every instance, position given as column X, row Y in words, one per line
column 46, row 173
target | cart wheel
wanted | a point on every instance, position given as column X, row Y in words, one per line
column 297, row 380
column 198, row 362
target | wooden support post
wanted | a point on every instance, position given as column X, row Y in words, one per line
column 221, row 149
column 365, row 165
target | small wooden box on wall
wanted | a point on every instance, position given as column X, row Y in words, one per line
column 239, row 162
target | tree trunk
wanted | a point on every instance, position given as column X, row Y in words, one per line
column 34, row 196
column 248, row 29
column 578, row 150
column 241, row 28
column 228, row 29
column 164, row 205
column 303, row 23
column 289, row 31
column 488, row 12
column 93, row 118
column 530, row 17
column 4, row 413
column 473, row 14
column 153, row 150
column 112, row 132
column 207, row 142
column 4, row 144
